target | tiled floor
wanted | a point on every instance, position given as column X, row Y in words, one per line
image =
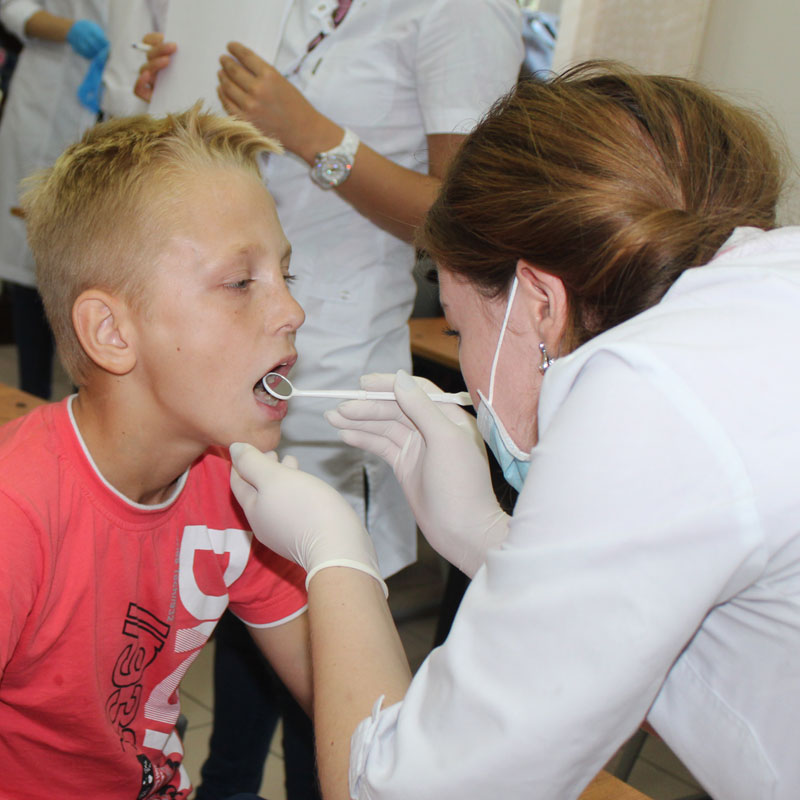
column 414, row 594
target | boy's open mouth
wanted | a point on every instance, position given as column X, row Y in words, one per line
column 261, row 393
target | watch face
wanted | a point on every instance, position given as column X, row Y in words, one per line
column 331, row 170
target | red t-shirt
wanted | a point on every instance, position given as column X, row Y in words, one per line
column 104, row 605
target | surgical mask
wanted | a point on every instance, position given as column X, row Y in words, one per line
column 513, row 461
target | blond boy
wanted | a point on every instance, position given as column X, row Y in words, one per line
column 163, row 270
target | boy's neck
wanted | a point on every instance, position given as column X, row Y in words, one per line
column 128, row 447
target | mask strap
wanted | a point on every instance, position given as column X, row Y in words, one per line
column 511, row 294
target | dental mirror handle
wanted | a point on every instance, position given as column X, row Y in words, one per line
column 459, row 398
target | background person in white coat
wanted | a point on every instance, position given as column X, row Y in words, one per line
column 129, row 21
column 628, row 324
column 406, row 81
column 42, row 115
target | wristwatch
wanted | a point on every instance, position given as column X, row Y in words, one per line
column 332, row 167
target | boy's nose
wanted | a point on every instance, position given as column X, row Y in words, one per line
column 292, row 314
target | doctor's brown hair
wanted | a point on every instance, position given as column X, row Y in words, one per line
column 99, row 217
column 613, row 181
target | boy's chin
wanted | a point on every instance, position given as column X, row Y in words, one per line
column 264, row 440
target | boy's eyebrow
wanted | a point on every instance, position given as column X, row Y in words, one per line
column 249, row 249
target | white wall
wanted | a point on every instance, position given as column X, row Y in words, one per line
column 661, row 36
column 751, row 50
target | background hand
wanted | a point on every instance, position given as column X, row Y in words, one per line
column 158, row 57
column 299, row 516
column 90, row 91
column 87, row 38
column 439, row 458
column 254, row 90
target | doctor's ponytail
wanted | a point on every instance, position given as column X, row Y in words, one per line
column 615, row 182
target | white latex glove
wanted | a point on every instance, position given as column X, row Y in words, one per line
column 298, row 515
column 439, row 457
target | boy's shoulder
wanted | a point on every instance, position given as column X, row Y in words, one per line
column 31, row 473
column 30, row 445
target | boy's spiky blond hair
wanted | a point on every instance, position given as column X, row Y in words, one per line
column 99, row 215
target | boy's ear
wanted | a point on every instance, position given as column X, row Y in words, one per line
column 102, row 325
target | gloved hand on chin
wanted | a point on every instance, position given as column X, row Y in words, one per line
column 298, row 515
column 439, row 458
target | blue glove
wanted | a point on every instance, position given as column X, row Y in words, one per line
column 87, row 38
column 91, row 90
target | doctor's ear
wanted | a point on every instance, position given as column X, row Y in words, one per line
column 545, row 298
column 102, row 325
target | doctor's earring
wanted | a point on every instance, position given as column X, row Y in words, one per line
column 546, row 360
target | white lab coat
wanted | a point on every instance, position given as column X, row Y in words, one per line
column 393, row 72
column 128, row 22
column 41, row 117
column 652, row 567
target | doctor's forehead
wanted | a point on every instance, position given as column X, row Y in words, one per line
column 454, row 289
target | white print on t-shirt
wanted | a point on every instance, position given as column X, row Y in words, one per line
column 235, row 543
column 149, row 634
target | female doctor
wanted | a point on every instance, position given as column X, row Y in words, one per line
column 628, row 319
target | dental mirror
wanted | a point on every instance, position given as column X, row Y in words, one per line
column 280, row 387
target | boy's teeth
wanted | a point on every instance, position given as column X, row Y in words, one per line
column 264, row 396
